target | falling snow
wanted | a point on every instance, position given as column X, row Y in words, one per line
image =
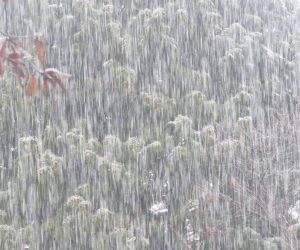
column 179, row 126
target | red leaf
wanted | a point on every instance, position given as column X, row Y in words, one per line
column 39, row 49
column 16, row 58
column 2, row 49
column 2, row 67
column 31, row 87
column 2, row 58
column 45, row 85
column 56, row 77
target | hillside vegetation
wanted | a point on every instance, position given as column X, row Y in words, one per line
column 179, row 127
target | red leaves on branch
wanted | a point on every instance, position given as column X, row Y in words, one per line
column 11, row 53
column 17, row 60
column 39, row 49
column 56, row 77
column 50, row 74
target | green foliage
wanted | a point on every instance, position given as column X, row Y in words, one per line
column 179, row 129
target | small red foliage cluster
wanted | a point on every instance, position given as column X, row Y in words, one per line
column 11, row 53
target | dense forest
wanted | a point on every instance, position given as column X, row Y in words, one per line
column 178, row 128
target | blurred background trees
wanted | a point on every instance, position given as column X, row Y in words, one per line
column 178, row 130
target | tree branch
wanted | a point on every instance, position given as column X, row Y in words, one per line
column 12, row 36
column 6, row 18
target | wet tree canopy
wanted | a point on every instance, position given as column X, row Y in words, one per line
column 163, row 124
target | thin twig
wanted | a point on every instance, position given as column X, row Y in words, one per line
column 3, row 33
column 12, row 36
column 35, row 67
column 6, row 17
